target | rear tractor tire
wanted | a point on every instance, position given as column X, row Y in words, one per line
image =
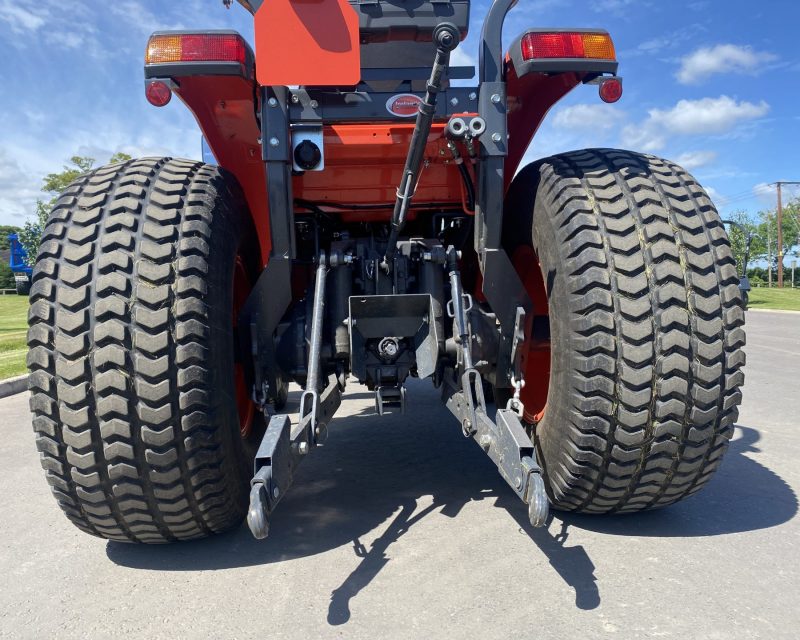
column 645, row 323
column 132, row 351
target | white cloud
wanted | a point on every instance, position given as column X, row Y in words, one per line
column 588, row 117
column 18, row 190
column 707, row 116
column 716, row 197
column 691, row 160
column 19, row 18
column 765, row 192
column 721, row 58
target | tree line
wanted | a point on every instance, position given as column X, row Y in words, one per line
column 763, row 228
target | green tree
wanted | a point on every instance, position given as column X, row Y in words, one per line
column 55, row 184
column 5, row 231
column 742, row 226
column 6, row 276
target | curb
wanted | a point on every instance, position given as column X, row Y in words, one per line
column 772, row 311
column 13, row 386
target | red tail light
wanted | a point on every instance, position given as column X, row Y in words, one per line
column 196, row 47
column 564, row 44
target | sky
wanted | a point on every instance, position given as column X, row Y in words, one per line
column 711, row 84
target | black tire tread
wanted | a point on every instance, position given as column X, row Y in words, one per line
column 131, row 437
column 651, row 330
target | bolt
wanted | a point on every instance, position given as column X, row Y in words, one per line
column 485, row 440
column 518, row 482
column 454, row 101
column 302, row 448
column 314, row 104
column 274, row 142
column 276, row 492
column 295, row 98
column 496, row 137
column 496, row 98
column 473, row 95
column 272, row 102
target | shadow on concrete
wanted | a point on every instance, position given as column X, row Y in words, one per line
column 372, row 471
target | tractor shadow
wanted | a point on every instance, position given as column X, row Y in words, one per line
column 372, row 472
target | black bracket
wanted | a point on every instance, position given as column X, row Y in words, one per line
column 508, row 445
column 283, row 448
column 273, row 474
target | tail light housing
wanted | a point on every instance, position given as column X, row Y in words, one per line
column 166, row 48
column 538, row 45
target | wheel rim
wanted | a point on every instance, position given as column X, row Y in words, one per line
column 536, row 358
column 244, row 404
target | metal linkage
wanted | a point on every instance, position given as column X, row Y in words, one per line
column 505, row 441
column 508, row 445
column 310, row 397
column 283, row 447
column 457, row 308
column 446, row 37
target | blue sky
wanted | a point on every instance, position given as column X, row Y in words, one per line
column 712, row 84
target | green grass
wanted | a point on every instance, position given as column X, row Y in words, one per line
column 13, row 326
column 782, row 299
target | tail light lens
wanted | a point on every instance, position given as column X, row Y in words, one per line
column 565, row 44
column 158, row 93
column 196, row 47
column 611, row 90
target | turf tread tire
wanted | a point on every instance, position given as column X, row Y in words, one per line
column 130, row 343
column 646, row 325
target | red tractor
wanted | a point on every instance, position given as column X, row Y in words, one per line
column 368, row 220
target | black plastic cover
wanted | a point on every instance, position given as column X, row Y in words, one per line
column 408, row 20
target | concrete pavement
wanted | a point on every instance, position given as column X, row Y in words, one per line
column 401, row 528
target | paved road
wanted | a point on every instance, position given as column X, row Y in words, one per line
column 401, row 529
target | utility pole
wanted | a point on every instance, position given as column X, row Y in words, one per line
column 780, row 232
column 769, row 257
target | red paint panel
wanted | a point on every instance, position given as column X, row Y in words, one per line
column 536, row 355
column 364, row 164
column 223, row 107
column 307, row 42
column 529, row 100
